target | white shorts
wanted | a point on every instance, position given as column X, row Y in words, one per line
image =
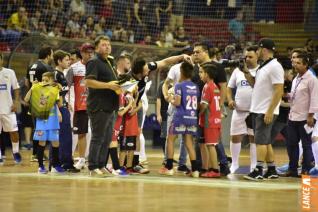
column 8, row 122
column 315, row 130
column 238, row 124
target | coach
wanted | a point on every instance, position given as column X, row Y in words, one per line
column 102, row 102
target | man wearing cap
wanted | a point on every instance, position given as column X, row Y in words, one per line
column 267, row 93
column 76, row 76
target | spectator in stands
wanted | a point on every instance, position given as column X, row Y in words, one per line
column 309, row 46
column 237, row 28
column 88, row 27
column 148, row 9
column 101, row 29
column 19, row 21
column 73, row 25
column 177, row 14
column 34, row 21
column 138, row 24
column 162, row 41
column 106, row 11
column 90, row 8
column 265, row 11
column 122, row 10
column 42, row 28
column 163, row 10
column 169, row 39
column 181, row 39
column 56, row 6
column 55, row 32
column 147, row 40
column 119, row 33
column 77, row 6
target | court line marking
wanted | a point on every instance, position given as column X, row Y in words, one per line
column 212, row 183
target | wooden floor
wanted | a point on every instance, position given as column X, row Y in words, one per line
column 22, row 189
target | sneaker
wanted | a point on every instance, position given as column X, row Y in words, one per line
column 283, row 168
column 34, row 158
column 255, row 175
column 211, row 174
column 195, row 174
column 141, row 170
column 122, row 172
column 57, row 169
column 80, row 164
column 17, row 157
column 131, row 171
column 26, row 146
column 113, row 172
column 233, row 168
column 184, row 169
column 224, row 169
column 271, row 173
column 106, row 172
column 314, row 171
column 42, row 170
column 290, row 173
column 144, row 162
column 96, row 173
column 1, row 162
column 72, row 169
column 164, row 171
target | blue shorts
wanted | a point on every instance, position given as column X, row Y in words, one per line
column 46, row 135
column 176, row 129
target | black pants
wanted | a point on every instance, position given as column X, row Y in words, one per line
column 295, row 133
column 102, row 124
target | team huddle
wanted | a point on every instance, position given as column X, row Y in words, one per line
column 110, row 101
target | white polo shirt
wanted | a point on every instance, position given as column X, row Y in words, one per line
column 266, row 77
column 8, row 81
column 173, row 74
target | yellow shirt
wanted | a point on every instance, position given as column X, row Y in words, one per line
column 14, row 21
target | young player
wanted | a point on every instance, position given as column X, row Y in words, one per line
column 47, row 127
column 184, row 120
column 210, row 118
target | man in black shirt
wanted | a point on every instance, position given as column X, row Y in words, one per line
column 102, row 102
column 201, row 55
column 62, row 62
column 34, row 73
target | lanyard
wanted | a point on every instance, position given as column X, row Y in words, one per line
column 263, row 64
column 298, row 80
column 111, row 67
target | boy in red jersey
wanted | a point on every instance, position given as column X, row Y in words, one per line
column 210, row 118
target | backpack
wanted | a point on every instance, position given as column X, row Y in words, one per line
column 43, row 98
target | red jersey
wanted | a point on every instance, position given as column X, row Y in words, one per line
column 118, row 126
column 211, row 118
column 76, row 76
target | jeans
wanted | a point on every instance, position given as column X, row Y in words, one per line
column 295, row 133
column 101, row 124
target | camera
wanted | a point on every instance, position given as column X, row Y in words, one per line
column 239, row 63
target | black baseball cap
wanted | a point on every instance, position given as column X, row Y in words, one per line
column 267, row 43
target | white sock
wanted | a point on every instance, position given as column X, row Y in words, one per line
column 235, row 152
column 142, row 156
column 314, row 147
column 253, row 155
column 15, row 147
column 300, row 150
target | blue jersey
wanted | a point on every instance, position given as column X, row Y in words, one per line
column 52, row 123
column 186, row 112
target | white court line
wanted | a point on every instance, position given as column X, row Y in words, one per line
column 220, row 183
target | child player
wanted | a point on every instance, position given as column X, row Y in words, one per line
column 184, row 120
column 210, row 118
column 47, row 129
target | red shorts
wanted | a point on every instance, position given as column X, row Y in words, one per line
column 212, row 135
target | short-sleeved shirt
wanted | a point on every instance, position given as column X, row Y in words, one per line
column 186, row 113
column 102, row 70
column 60, row 78
column 243, row 93
column 266, row 77
column 211, row 118
column 36, row 70
column 8, row 82
column 164, row 103
column 76, row 76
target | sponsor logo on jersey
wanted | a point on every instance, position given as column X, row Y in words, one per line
column 244, row 83
column 3, row 87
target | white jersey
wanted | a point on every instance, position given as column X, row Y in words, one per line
column 266, row 77
column 8, row 82
column 244, row 91
column 174, row 75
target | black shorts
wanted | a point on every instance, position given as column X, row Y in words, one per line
column 128, row 143
column 80, row 122
column 26, row 118
column 262, row 131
